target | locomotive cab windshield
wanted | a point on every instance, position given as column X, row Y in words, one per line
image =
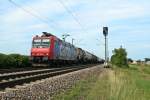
column 41, row 43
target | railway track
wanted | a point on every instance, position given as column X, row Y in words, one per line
column 12, row 79
column 11, row 70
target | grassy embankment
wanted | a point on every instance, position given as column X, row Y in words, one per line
column 118, row 84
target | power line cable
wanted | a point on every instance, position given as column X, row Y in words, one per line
column 33, row 14
column 48, row 19
column 71, row 13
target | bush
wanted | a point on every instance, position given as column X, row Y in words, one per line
column 14, row 61
column 25, row 61
column 119, row 57
column 17, row 59
column 2, row 60
column 9, row 61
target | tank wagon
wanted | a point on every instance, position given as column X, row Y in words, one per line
column 47, row 50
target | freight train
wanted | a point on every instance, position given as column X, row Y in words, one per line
column 48, row 50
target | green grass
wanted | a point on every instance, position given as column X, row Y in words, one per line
column 118, row 84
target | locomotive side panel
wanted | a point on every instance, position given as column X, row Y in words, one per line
column 56, row 49
column 64, row 51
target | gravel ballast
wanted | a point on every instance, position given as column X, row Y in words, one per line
column 45, row 89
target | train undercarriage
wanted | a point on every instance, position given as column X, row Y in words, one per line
column 45, row 62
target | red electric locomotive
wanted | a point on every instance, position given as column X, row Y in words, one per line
column 48, row 49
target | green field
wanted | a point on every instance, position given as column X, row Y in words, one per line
column 113, row 84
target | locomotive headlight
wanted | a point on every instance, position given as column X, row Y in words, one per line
column 46, row 54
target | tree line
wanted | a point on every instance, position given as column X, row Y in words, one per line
column 14, row 61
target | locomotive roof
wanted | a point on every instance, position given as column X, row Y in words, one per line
column 44, row 35
column 48, row 35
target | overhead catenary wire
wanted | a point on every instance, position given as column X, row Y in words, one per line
column 44, row 17
column 44, row 20
column 72, row 14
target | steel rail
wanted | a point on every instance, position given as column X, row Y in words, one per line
column 13, row 83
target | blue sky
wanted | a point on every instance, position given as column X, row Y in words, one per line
column 128, row 22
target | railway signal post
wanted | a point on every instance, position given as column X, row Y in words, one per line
column 105, row 33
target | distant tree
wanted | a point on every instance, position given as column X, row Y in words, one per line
column 2, row 60
column 130, row 60
column 119, row 57
column 9, row 62
column 139, row 62
column 147, row 59
column 17, row 59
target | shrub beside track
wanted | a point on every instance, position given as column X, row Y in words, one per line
column 14, row 61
